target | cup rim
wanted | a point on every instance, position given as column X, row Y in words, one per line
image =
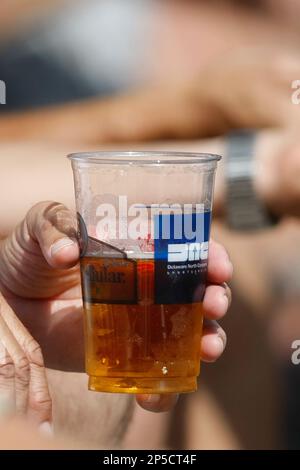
column 148, row 157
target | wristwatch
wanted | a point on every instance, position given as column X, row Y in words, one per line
column 244, row 210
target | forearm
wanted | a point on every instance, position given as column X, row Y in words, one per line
column 151, row 114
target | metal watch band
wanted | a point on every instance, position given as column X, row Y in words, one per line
column 244, row 210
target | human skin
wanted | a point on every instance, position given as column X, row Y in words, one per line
column 40, row 285
column 16, row 434
column 249, row 88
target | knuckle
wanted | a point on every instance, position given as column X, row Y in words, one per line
column 62, row 219
column 34, row 352
column 22, row 371
column 41, row 207
column 54, row 215
column 54, row 212
column 22, row 364
column 38, row 216
column 41, row 401
column 44, row 226
column 37, row 209
column 7, row 369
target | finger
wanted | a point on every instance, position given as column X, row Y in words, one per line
column 38, row 400
column 220, row 268
column 7, row 378
column 53, row 226
column 217, row 299
column 39, row 403
column 19, row 359
column 157, row 403
column 213, row 341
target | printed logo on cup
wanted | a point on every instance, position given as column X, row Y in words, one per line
column 181, row 265
column 109, row 281
column 187, row 252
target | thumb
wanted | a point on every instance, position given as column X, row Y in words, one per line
column 53, row 227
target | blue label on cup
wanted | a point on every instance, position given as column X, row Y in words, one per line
column 181, row 256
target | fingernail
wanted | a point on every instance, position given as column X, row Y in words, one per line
column 60, row 244
column 153, row 399
column 222, row 340
column 148, row 398
column 46, row 429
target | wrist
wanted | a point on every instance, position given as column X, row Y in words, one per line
column 246, row 208
column 266, row 176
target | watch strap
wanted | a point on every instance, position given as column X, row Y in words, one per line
column 244, row 209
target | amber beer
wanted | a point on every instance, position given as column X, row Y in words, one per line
column 135, row 345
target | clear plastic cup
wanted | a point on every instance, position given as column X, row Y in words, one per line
column 144, row 223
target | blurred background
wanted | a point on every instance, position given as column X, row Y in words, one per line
column 58, row 52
